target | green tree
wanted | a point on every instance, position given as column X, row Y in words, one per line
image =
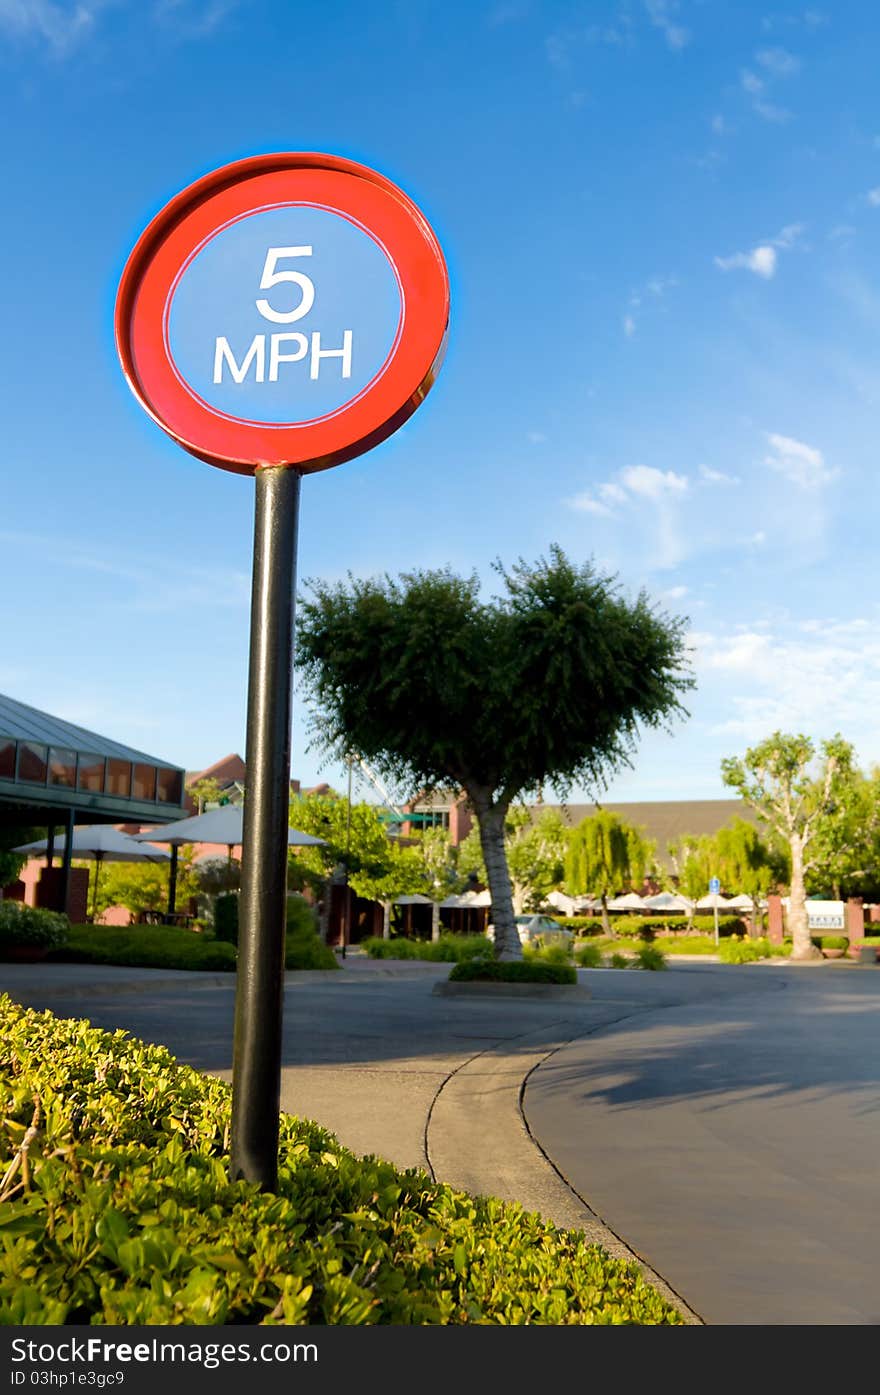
column 204, row 792
column 846, row 847
column 793, row 793
column 378, row 868
column 694, row 863
column 546, row 684
column 605, row 855
column 143, row 886
column 535, row 855
column 747, row 864
column 11, row 862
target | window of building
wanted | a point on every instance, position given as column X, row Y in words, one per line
column 144, row 783
column 32, row 762
column 62, row 767
column 7, row 759
column 118, row 777
column 90, row 774
column 170, row 789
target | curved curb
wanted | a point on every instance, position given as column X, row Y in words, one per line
column 482, row 1101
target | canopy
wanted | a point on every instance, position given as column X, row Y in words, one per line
column 668, row 901
column 100, row 842
column 223, row 825
column 741, row 903
column 414, row 900
column 714, row 902
column 630, row 902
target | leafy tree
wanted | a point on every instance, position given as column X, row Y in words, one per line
column 747, row 864
column 378, row 868
column 606, row 855
column 781, row 781
column 694, row 862
column 546, row 684
column 11, row 862
column 204, row 792
column 846, row 846
column 143, row 886
column 535, row 855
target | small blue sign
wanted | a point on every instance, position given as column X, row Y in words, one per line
column 285, row 316
column 714, row 886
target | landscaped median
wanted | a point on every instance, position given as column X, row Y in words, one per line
column 116, row 1208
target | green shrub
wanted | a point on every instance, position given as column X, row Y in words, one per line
column 634, row 925
column 125, row 1214
column 686, row 944
column 619, row 961
column 588, row 956
column 580, row 924
column 304, row 948
column 648, row 956
column 830, row 941
column 526, row 970
column 144, row 947
column 737, row 951
column 27, row 926
column 448, row 949
column 542, row 953
column 226, row 918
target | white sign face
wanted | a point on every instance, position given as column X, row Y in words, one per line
column 826, row 915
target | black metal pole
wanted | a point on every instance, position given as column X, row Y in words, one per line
column 256, row 1061
column 172, row 879
column 66, row 857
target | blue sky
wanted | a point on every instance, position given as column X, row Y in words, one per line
column 661, row 222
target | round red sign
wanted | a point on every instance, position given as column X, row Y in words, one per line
column 287, row 309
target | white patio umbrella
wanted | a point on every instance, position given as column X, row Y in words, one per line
column 668, row 901
column 713, row 902
column 741, row 903
column 100, row 843
column 224, row 825
column 630, row 902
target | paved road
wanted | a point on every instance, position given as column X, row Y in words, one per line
column 722, row 1122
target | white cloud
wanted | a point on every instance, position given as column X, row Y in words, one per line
column 675, row 593
column 717, row 476
column 788, row 236
column 661, row 14
column 629, row 326
column 751, row 83
column 585, row 503
column 770, row 112
column 612, row 493
column 802, row 464
column 535, row 438
column 874, row 197
column 761, row 260
column 719, row 125
column 778, row 61
column 60, row 24
column 815, row 676
column 650, row 483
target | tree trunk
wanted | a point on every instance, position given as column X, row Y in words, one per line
column 386, row 920
column 802, row 945
column 606, row 922
column 490, row 818
column 435, row 920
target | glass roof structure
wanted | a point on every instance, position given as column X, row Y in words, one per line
column 49, row 767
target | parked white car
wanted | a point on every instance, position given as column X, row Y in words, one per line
column 533, row 927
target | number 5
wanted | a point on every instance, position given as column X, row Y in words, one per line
column 271, row 277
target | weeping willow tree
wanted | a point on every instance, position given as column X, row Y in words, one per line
column 605, row 855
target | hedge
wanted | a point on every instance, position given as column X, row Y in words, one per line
column 448, row 949
column 27, row 926
column 635, row 924
column 532, row 970
column 117, row 1209
column 144, row 947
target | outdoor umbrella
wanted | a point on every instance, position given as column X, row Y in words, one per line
column 713, row 902
column 100, row 843
column 630, row 902
column 222, row 825
column 668, row 901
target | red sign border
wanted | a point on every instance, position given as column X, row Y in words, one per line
column 356, row 192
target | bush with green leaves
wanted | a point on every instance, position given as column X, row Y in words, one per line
column 579, row 924
column 541, row 952
column 448, row 949
column 304, row 949
column 635, row 926
column 830, row 941
column 649, row 956
column 618, row 961
column 533, row 969
column 144, row 947
column 29, row 927
column 588, row 956
column 117, row 1209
